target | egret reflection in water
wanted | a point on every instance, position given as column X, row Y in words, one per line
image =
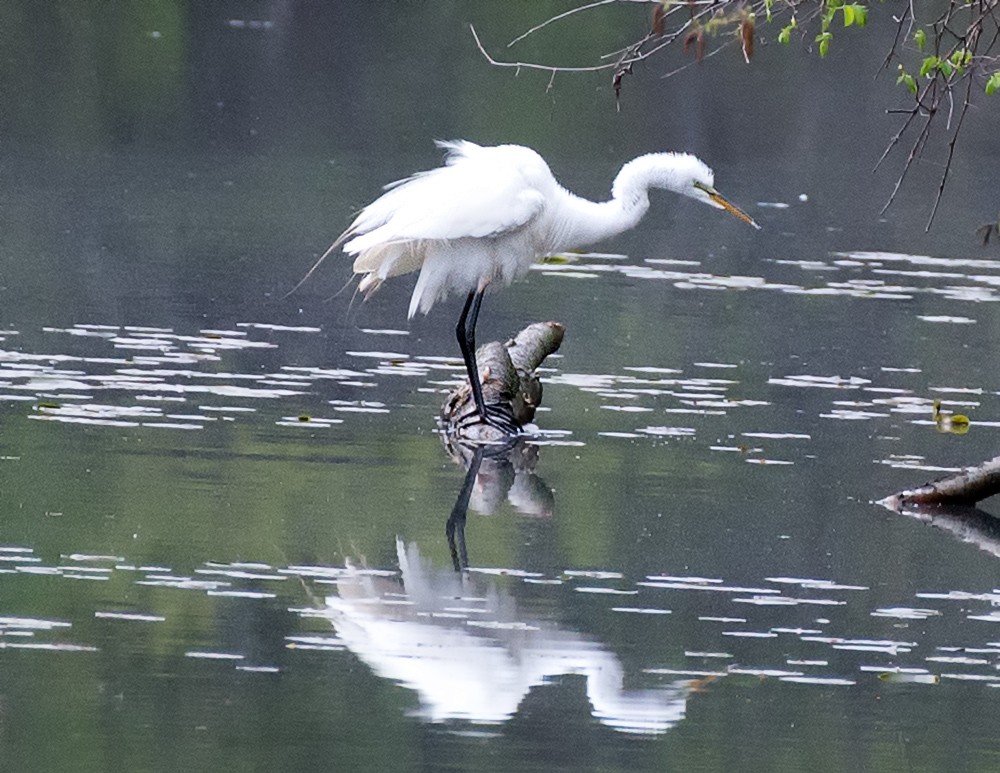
column 494, row 473
column 463, row 646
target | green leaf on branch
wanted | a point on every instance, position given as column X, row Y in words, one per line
column 930, row 63
column 785, row 36
column 908, row 80
column 961, row 59
column 855, row 13
column 824, row 39
column 920, row 38
column 993, row 84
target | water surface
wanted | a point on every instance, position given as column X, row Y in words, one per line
column 223, row 542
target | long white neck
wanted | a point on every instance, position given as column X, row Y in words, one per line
column 584, row 222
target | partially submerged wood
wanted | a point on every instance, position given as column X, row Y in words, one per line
column 971, row 485
column 509, row 382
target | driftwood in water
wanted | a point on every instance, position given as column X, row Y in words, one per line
column 971, row 485
column 507, row 371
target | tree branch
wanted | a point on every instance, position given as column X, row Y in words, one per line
column 952, row 48
column 971, row 485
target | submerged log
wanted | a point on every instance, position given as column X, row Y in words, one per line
column 971, row 485
column 509, row 382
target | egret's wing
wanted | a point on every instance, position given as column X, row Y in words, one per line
column 485, row 192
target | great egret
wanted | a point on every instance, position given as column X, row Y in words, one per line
column 484, row 217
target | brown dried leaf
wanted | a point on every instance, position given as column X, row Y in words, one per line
column 616, row 83
column 698, row 38
column 658, row 20
column 746, row 38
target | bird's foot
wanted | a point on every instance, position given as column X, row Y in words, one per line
column 496, row 415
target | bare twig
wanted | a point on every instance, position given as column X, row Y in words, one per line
column 533, row 65
column 907, row 15
column 557, row 17
column 951, row 153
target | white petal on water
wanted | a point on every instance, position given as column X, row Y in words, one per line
column 642, row 610
column 823, row 382
column 501, row 572
column 379, row 355
column 682, row 672
column 778, row 435
column 74, row 575
column 593, row 574
column 788, row 601
column 280, row 328
column 806, row 582
column 960, row 595
column 32, row 623
column 763, row 671
column 965, row 661
column 825, row 680
column 972, row 677
column 946, row 318
column 608, row 591
column 51, row 647
column 959, row 390
column 663, row 431
column 130, row 616
column 905, row 613
column 848, row 415
column 568, row 273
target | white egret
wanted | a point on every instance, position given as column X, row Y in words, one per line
column 483, row 218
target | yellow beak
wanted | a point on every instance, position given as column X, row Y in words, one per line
column 714, row 196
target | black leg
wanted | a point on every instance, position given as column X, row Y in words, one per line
column 466, row 333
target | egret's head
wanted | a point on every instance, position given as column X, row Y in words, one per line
column 678, row 172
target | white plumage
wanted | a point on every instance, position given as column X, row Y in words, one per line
column 484, row 217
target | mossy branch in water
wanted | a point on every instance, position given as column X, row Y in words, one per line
column 509, row 382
